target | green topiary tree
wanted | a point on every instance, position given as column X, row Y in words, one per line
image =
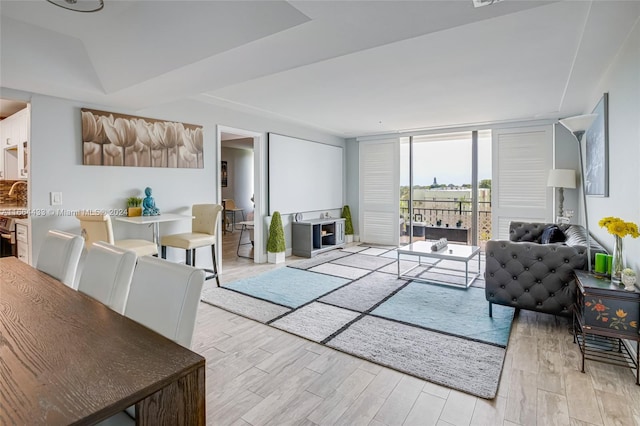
column 275, row 242
column 348, row 225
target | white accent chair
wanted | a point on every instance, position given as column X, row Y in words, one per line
column 107, row 275
column 59, row 256
column 97, row 227
column 203, row 233
column 164, row 297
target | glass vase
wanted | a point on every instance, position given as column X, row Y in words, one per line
column 617, row 264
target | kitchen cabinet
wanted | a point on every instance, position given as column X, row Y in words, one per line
column 14, row 141
column 22, row 240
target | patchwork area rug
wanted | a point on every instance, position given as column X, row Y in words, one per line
column 351, row 300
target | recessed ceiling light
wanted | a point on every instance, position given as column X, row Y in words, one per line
column 79, row 5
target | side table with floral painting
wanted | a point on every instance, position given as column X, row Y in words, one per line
column 604, row 315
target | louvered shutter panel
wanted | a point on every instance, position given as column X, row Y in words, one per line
column 522, row 158
column 380, row 192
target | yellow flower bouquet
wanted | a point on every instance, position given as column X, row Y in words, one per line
column 618, row 227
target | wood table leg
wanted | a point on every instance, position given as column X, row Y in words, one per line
column 179, row 403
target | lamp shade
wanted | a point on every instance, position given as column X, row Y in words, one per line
column 562, row 178
column 579, row 123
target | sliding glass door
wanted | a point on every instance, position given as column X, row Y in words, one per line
column 450, row 179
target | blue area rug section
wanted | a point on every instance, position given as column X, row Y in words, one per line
column 288, row 286
column 451, row 310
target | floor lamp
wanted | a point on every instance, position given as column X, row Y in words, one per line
column 578, row 125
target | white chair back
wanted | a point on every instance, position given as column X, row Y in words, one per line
column 59, row 256
column 164, row 297
column 96, row 227
column 205, row 218
column 107, row 275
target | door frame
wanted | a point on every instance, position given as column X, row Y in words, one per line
column 259, row 186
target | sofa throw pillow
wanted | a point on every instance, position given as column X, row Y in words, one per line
column 552, row 234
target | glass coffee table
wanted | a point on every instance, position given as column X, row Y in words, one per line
column 455, row 252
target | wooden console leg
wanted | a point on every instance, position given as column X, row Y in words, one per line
column 584, row 348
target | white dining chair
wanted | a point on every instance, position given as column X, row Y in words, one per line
column 98, row 227
column 107, row 274
column 164, row 297
column 59, row 256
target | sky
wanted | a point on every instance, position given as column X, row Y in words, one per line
column 448, row 161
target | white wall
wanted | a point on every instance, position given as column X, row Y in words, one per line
column 56, row 164
column 207, row 114
column 622, row 81
column 239, row 177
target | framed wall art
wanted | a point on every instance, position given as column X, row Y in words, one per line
column 112, row 139
column 597, row 151
column 223, row 174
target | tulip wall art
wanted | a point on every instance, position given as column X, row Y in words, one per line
column 111, row 139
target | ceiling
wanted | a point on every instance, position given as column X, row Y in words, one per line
column 349, row 68
column 9, row 107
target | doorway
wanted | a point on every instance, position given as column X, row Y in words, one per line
column 239, row 183
column 446, row 187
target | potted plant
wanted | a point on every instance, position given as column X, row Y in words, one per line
column 348, row 225
column 275, row 242
column 133, row 206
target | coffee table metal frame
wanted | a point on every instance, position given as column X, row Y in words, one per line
column 455, row 252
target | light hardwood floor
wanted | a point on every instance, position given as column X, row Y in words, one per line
column 257, row 375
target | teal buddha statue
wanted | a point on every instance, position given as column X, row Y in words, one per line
column 149, row 205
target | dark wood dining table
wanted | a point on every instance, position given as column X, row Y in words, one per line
column 68, row 359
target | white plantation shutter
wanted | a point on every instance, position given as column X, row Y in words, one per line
column 522, row 158
column 380, row 191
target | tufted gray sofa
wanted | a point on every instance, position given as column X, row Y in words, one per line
column 526, row 274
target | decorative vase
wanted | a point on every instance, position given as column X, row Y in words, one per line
column 617, row 264
column 629, row 281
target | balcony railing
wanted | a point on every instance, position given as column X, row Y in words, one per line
column 449, row 212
